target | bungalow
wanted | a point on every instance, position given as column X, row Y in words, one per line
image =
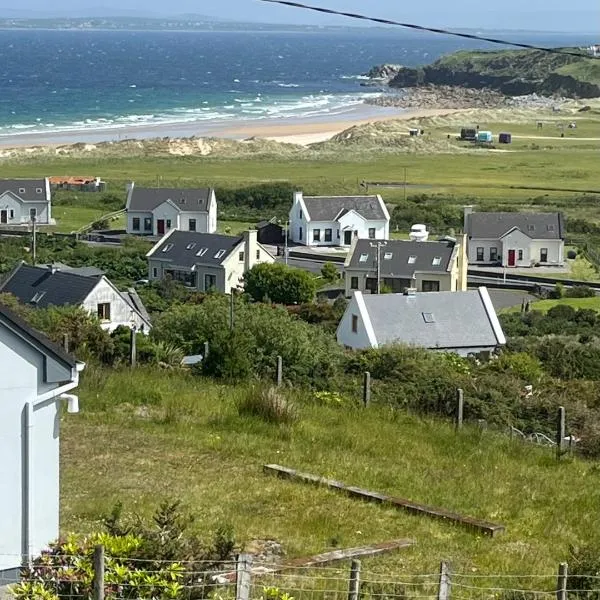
column 41, row 287
column 337, row 220
column 426, row 266
column 514, row 239
column 35, row 376
column 460, row 322
column 206, row 261
column 23, row 200
column 156, row 211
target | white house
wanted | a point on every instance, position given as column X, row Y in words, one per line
column 337, row 220
column 156, row 211
column 35, row 375
column 206, row 261
column 22, row 200
column 460, row 322
column 514, row 239
column 48, row 286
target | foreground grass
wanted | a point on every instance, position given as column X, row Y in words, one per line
column 150, row 435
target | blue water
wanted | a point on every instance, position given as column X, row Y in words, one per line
column 74, row 80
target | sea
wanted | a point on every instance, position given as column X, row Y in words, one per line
column 73, row 81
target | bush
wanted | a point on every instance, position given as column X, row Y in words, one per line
column 580, row 291
column 280, row 284
column 584, row 571
column 572, row 254
column 329, row 272
column 269, row 405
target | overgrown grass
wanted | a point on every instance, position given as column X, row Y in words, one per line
column 148, row 435
column 546, row 305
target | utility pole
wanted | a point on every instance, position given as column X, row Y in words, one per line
column 231, row 307
column 285, row 249
column 34, row 242
column 378, row 245
column 404, row 184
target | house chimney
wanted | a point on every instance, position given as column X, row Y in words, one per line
column 467, row 210
column 130, row 186
column 250, row 248
column 52, row 268
column 298, row 196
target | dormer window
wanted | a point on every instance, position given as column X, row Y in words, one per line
column 530, row 227
column 21, row 190
column 412, row 260
column 437, row 261
column 388, row 255
column 167, row 248
column 428, row 317
column 191, row 246
column 202, row 252
column 37, row 297
column 38, row 190
column 550, row 227
column 363, row 258
column 220, row 253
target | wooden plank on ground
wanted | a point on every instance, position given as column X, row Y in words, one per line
column 479, row 525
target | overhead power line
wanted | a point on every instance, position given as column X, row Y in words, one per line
column 469, row 36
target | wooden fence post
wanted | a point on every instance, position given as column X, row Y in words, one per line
column 561, row 587
column 133, row 348
column 243, row 577
column 354, row 584
column 444, row 587
column 460, row 404
column 205, row 355
column 560, row 432
column 98, row 573
column 279, row 371
column 367, row 389
column 66, row 342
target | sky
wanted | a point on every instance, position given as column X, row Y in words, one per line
column 556, row 15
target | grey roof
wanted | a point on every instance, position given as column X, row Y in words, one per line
column 42, row 287
column 329, row 208
column 187, row 200
column 395, row 257
column 458, row 319
column 133, row 299
column 30, row 187
column 181, row 248
column 538, row 226
column 34, row 337
column 85, row 271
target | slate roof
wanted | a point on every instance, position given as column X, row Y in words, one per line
column 457, row 319
column 395, row 256
column 181, row 248
column 133, row 299
column 33, row 336
column 29, row 185
column 186, row 200
column 47, row 288
column 330, row 208
column 537, row 226
column 85, row 271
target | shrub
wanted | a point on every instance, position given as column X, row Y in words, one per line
column 279, row 284
column 572, row 254
column 580, row 291
column 584, row 571
column 329, row 272
column 269, row 405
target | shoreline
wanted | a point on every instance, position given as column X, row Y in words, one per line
column 302, row 130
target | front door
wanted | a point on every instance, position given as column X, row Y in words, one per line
column 160, row 226
column 511, row 258
column 3, row 216
column 347, row 238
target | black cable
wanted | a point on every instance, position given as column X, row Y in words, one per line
column 469, row 36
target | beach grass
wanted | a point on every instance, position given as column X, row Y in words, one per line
column 148, row 435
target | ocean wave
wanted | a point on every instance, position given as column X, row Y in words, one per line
column 355, row 77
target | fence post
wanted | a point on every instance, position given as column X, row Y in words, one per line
column 354, row 584
column 279, row 371
column 560, row 432
column 133, row 348
column 243, row 576
column 561, row 587
column 367, row 389
column 98, row 573
column 444, row 587
column 205, row 351
column 66, row 342
column 460, row 404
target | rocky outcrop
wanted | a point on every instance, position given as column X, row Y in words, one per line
column 383, row 73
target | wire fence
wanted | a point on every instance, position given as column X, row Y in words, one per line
column 100, row 577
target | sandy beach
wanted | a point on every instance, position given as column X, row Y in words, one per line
column 293, row 131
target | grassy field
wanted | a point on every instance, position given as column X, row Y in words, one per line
column 546, row 305
column 150, row 435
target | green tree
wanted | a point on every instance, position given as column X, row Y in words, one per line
column 280, row 284
column 329, row 272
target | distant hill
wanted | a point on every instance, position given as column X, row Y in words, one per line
column 512, row 72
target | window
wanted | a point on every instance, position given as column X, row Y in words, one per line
column 354, row 323
column 191, row 246
column 154, row 272
column 316, row 235
column 168, row 223
column 388, row 255
column 12, row 213
column 363, row 258
column 412, row 260
column 135, row 223
column 428, row 317
column 241, row 256
column 104, row 311
column 210, row 281
column 300, row 233
column 550, row 227
column 192, row 225
column 530, row 227
column 300, row 214
column 220, row 253
column 493, row 254
column 543, row 254
column 437, row 261
column 328, row 235
column 338, row 234
column 258, row 255
column 480, row 254
column 202, row 252
column 21, row 190
column 520, row 254
column 32, row 213
column 430, row 286
column 353, row 283
column 371, row 233
column 38, row 190
column 167, row 248
column 148, row 224
column 37, row 297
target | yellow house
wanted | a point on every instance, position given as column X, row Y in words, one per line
column 432, row 266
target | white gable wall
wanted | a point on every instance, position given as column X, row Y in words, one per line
column 364, row 337
column 298, row 222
